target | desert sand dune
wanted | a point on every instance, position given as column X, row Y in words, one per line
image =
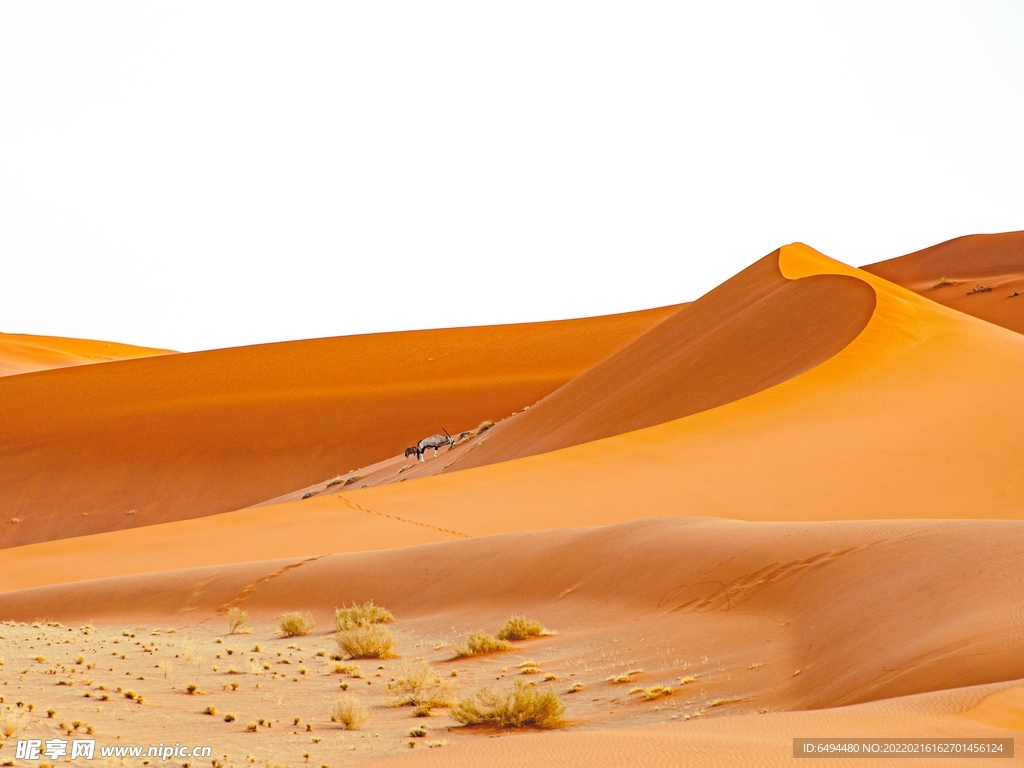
column 958, row 272
column 752, row 332
column 756, row 740
column 918, row 417
column 187, row 435
column 22, row 353
column 775, row 616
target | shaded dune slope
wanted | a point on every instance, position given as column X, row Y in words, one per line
column 990, row 261
column 23, row 353
column 865, row 610
column 752, row 332
column 188, row 435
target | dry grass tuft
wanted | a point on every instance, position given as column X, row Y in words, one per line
column 420, row 686
column 10, row 724
column 656, row 691
column 296, row 624
column 523, row 706
column 484, row 426
column 361, row 616
column 944, row 281
column 350, row 712
column 372, row 642
column 979, row 288
column 521, row 628
column 238, row 622
column 479, row 644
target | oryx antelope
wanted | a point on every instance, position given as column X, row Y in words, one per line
column 435, row 442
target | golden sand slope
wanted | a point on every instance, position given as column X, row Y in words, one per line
column 187, row 435
column 754, row 740
column 22, row 353
column 918, row 417
column 770, row 615
column 982, row 273
column 754, row 331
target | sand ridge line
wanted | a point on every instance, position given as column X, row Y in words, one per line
column 359, row 508
column 269, row 577
column 742, row 589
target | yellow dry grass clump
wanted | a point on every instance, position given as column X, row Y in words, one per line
column 361, row 616
column 523, row 706
column 296, row 624
column 370, row 642
column 521, row 628
column 350, row 712
column 238, row 622
column 420, row 686
column 480, row 643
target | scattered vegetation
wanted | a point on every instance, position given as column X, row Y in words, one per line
column 480, row 643
column 520, row 628
column 484, row 426
column 979, row 288
column 210, row 710
column 229, row 718
column 10, row 724
column 238, row 621
column 943, row 282
column 361, row 616
column 626, row 677
column 296, row 624
column 523, row 706
column 575, row 688
column 656, row 691
column 370, row 642
column 420, row 686
column 349, row 712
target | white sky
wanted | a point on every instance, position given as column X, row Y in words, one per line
column 198, row 175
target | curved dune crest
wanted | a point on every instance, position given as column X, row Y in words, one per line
column 99, row 448
column 23, row 353
column 754, row 331
column 976, row 274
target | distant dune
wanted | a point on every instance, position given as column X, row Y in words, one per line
column 188, row 435
column 976, row 274
column 22, row 353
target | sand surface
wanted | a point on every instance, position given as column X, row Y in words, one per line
column 794, row 507
column 188, row 435
column 23, row 353
column 981, row 275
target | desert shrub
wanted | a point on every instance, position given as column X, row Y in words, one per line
column 296, row 624
column 361, row 616
column 657, row 690
column 10, row 724
column 484, row 426
column 523, row 706
column 480, row 643
column 520, row 628
column 349, row 712
column 372, row 642
column 237, row 622
column 420, row 686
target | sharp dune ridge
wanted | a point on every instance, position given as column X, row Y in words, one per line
column 24, row 353
column 793, row 507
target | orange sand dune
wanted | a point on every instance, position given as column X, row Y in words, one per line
column 769, row 615
column 971, row 262
column 752, row 332
column 187, row 435
column 756, row 740
column 22, row 353
column 920, row 416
